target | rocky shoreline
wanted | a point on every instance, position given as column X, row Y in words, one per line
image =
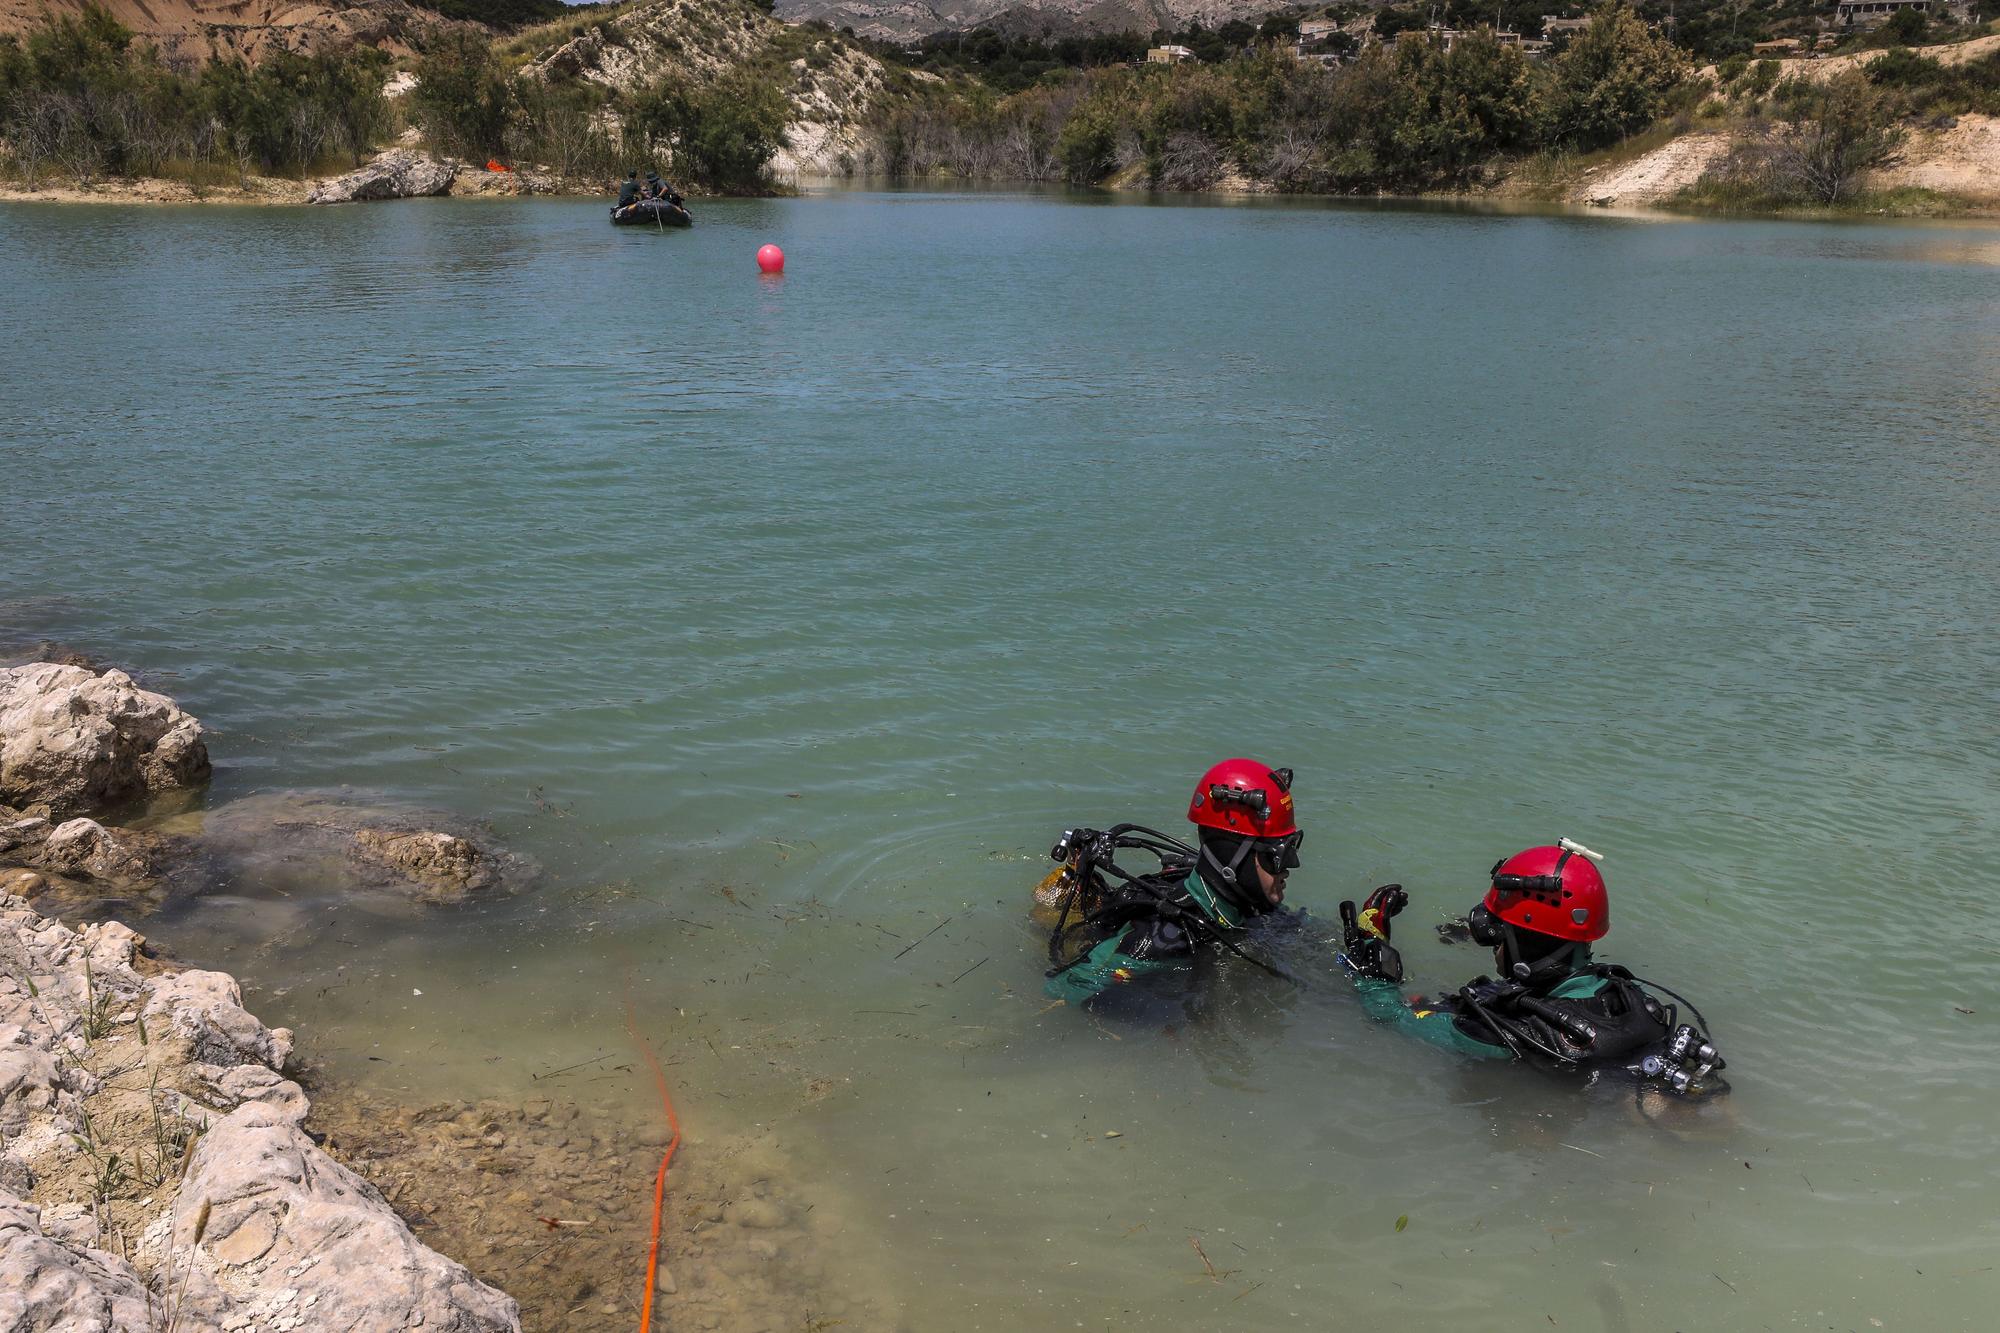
column 156, row 1170
column 167, row 1161
column 397, row 173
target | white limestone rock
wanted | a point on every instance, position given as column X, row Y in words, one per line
column 283, row 1217
column 289, row 1238
column 46, row 1286
column 207, row 1009
column 78, row 742
column 399, row 173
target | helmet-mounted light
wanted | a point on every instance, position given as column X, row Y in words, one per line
column 1253, row 800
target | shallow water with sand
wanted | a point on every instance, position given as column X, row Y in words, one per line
column 783, row 623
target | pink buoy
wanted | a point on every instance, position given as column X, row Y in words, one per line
column 771, row 259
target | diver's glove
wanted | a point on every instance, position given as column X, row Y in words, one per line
column 1365, row 948
column 1382, row 907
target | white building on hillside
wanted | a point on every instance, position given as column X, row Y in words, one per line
column 1874, row 13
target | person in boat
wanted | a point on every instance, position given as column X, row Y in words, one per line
column 628, row 190
column 659, row 189
column 1552, row 1003
column 1116, row 928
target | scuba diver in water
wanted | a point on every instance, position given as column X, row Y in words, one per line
column 1552, row 1005
column 1116, row 927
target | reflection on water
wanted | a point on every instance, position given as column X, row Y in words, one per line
column 782, row 626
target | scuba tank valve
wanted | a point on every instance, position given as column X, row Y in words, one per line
column 1686, row 1046
column 1654, row 1067
column 1690, row 1046
column 1571, row 845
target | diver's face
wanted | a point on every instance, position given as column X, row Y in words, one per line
column 1272, row 883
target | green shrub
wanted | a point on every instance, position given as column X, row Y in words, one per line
column 722, row 134
column 77, row 95
column 1444, row 112
column 461, row 98
column 1906, row 27
column 563, row 126
column 1900, row 67
column 1824, row 137
column 1088, row 143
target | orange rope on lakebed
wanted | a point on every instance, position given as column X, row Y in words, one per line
column 666, row 1158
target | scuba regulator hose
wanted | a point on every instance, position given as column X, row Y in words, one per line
column 1088, row 851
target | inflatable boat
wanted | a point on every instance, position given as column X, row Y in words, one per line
column 652, row 213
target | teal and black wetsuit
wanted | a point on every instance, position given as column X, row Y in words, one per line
column 1150, row 926
column 1623, row 1019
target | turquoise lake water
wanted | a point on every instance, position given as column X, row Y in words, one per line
column 782, row 622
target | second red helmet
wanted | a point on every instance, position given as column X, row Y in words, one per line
column 1552, row 891
column 1244, row 797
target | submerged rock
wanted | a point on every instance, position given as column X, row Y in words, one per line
column 79, row 742
column 85, row 848
column 83, row 852
column 298, row 844
column 399, row 173
column 355, row 847
column 440, row 862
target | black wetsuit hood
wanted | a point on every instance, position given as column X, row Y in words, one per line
column 1221, row 852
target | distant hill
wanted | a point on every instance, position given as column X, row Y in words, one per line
column 830, row 85
column 502, row 14
column 202, row 30
column 903, row 20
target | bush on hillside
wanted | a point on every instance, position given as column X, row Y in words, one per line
column 78, row 95
column 462, row 96
column 1927, row 87
column 1441, row 113
column 1906, row 27
column 566, row 127
column 722, row 134
column 1816, row 149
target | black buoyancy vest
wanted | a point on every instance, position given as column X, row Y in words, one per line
column 1148, row 901
column 1620, row 1019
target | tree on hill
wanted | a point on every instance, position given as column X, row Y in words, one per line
column 1611, row 80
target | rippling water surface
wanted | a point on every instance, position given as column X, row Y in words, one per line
column 783, row 622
